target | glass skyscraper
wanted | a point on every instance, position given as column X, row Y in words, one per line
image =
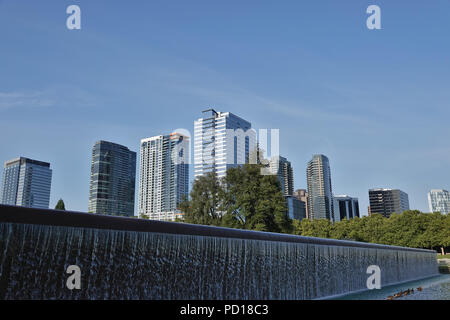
column 439, row 201
column 164, row 176
column 320, row 194
column 27, row 183
column 387, row 201
column 302, row 195
column 345, row 207
column 113, row 178
column 221, row 140
column 282, row 168
column 295, row 208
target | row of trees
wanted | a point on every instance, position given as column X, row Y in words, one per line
column 245, row 199
column 411, row 228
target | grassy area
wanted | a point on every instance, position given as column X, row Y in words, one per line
column 440, row 256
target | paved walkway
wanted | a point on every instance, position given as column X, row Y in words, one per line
column 444, row 265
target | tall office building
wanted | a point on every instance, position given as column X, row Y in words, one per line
column 282, row 168
column 388, row 201
column 113, row 179
column 164, row 176
column 439, row 201
column 345, row 207
column 302, row 195
column 26, row 183
column 295, row 208
column 221, row 140
column 320, row 194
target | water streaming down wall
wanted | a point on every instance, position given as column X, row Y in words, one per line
column 124, row 264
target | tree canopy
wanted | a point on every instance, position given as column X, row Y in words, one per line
column 255, row 201
column 411, row 228
column 206, row 203
column 60, row 205
column 244, row 199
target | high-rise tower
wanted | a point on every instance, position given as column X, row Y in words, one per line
column 386, row 201
column 282, row 168
column 113, row 179
column 439, row 201
column 27, row 183
column 221, row 140
column 320, row 195
column 164, row 176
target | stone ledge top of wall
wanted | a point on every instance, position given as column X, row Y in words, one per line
column 23, row 215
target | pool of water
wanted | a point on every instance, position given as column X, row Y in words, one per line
column 433, row 288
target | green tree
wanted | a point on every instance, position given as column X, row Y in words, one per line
column 341, row 230
column 297, row 227
column 355, row 229
column 321, row 228
column 254, row 201
column 373, row 229
column 306, row 228
column 404, row 229
column 436, row 233
column 411, row 228
column 60, row 205
column 206, row 203
column 244, row 199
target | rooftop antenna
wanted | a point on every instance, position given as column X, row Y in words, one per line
column 213, row 112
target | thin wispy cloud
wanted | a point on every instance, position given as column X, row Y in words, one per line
column 14, row 100
column 57, row 96
column 207, row 84
column 240, row 98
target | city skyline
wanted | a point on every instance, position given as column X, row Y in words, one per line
column 355, row 95
column 190, row 167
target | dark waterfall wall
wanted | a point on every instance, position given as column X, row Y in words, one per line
column 166, row 262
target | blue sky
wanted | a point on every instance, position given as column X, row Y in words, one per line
column 375, row 102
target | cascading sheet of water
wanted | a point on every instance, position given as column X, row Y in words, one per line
column 119, row 264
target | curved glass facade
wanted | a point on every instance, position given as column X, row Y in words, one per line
column 113, row 178
column 320, row 194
